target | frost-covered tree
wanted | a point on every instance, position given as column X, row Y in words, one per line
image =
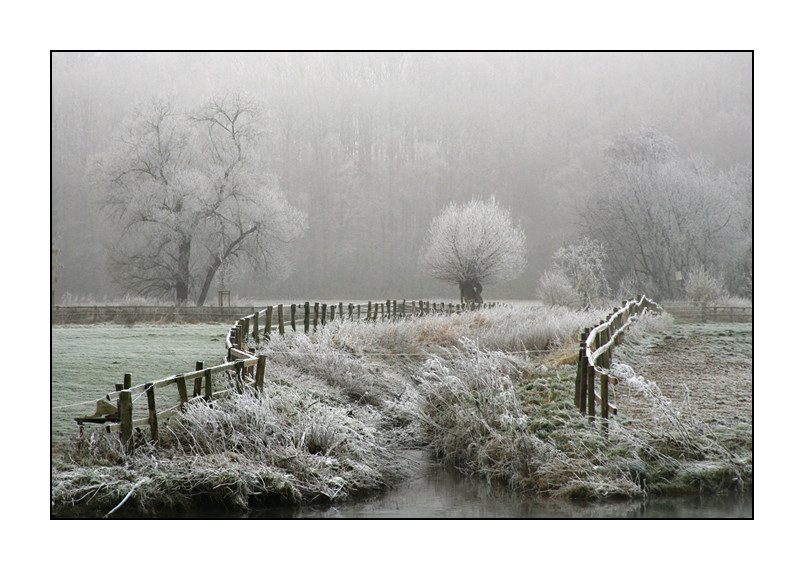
column 578, row 275
column 660, row 214
column 474, row 243
column 188, row 193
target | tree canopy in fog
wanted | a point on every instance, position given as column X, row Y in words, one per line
column 188, row 192
column 373, row 146
column 474, row 243
column 662, row 215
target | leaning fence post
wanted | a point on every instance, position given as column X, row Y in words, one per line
column 152, row 419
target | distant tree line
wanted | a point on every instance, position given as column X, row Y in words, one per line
column 372, row 147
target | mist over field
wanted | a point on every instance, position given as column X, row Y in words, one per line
column 354, row 154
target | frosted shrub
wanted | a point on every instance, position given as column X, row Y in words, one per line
column 703, row 288
column 556, row 289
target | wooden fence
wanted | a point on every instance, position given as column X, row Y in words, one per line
column 594, row 356
column 685, row 312
column 245, row 368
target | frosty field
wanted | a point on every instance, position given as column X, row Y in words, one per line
column 88, row 360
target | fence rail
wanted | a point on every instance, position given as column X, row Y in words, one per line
column 247, row 369
column 594, row 356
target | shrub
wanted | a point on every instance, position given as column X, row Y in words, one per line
column 703, row 288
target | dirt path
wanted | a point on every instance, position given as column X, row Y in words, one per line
column 713, row 361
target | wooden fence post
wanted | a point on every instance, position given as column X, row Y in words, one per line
column 152, row 419
column 126, row 381
column 351, row 309
column 280, row 320
column 375, row 311
column 403, row 307
column 259, row 377
column 293, row 316
column 182, row 387
column 590, row 391
column 604, row 396
column 269, row 311
column 340, row 310
column 323, row 314
column 239, row 382
column 126, row 430
column 315, row 317
column 332, row 313
column 581, row 352
column 306, row 317
column 358, row 311
column 208, row 384
column 368, row 311
column 199, row 365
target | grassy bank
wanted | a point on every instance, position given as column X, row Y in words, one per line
column 489, row 392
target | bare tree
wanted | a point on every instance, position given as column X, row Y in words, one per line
column 188, row 194
column 660, row 215
column 474, row 243
column 578, row 275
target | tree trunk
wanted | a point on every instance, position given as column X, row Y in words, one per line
column 183, row 273
column 470, row 291
column 211, row 271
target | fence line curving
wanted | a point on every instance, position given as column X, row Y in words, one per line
column 116, row 409
column 247, row 370
column 594, row 356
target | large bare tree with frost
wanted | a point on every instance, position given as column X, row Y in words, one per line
column 474, row 243
column 188, row 193
column 662, row 215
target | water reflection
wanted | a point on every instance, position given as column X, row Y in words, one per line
column 443, row 493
